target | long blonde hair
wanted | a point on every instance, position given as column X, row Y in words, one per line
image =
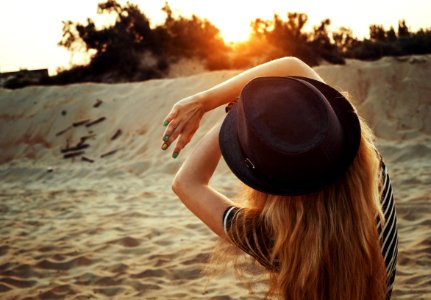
column 326, row 243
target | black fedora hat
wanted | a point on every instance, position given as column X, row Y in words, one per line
column 290, row 135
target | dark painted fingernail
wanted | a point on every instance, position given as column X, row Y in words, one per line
column 165, row 123
column 175, row 154
column 164, row 146
column 165, row 138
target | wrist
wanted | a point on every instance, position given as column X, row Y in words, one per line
column 204, row 101
column 211, row 99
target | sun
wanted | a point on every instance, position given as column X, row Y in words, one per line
column 232, row 18
column 234, row 31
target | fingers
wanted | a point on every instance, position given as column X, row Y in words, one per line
column 177, row 127
column 183, row 140
column 181, row 123
column 172, row 114
column 171, row 125
column 172, row 130
column 168, row 140
column 168, row 131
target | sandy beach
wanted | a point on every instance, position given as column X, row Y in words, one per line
column 86, row 207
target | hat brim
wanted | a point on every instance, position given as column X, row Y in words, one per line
column 348, row 118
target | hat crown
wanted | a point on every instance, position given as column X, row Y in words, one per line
column 287, row 118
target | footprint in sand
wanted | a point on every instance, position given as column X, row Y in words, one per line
column 150, row 273
column 127, row 242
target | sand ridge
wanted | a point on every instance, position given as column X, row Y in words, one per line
column 104, row 223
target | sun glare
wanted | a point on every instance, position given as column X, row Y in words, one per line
column 232, row 18
column 235, row 31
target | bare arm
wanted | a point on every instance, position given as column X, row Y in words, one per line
column 184, row 118
column 228, row 90
column 191, row 183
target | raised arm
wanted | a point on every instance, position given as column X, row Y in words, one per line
column 184, row 118
column 191, row 182
column 224, row 92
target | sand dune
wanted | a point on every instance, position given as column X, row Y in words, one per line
column 86, row 207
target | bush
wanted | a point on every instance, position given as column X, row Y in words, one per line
column 131, row 50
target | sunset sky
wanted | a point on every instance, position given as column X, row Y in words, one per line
column 30, row 30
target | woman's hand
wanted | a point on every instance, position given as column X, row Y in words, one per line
column 182, row 122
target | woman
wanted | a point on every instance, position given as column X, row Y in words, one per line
column 320, row 215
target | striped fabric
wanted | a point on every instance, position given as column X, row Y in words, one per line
column 388, row 235
column 257, row 244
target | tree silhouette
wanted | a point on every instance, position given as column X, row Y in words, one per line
column 131, row 49
column 403, row 29
column 344, row 40
column 128, row 50
column 391, row 35
column 377, row 33
column 388, row 43
column 323, row 46
column 192, row 38
column 276, row 38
